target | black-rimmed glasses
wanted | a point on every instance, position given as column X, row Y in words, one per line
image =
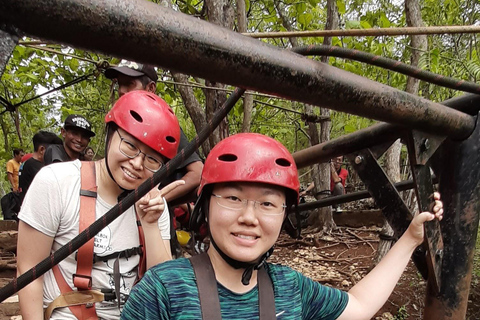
column 130, row 150
column 265, row 207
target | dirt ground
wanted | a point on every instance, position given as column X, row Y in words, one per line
column 340, row 260
column 344, row 257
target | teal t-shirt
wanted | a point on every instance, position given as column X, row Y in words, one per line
column 169, row 291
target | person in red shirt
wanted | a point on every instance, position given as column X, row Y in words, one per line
column 338, row 176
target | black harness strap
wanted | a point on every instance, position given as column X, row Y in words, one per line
column 127, row 253
column 266, row 299
column 208, row 291
column 207, row 287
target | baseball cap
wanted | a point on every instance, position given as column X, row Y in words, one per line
column 132, row 69
column 77, row 121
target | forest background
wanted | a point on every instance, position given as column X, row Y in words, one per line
column 37, row 66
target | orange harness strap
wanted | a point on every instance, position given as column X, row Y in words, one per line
column 82, row 279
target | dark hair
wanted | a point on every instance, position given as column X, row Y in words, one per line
column 16, row 152
column 110, row 128
column 145, row 80
column 88, row 148
column 45, row 138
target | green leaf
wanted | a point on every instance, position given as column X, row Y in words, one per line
column 352, row 24
column 350, row 128
column 74, row 64
column 365, row 25
column 341, row 7
column 31, row 76
column 167, row 98
column 384, row 22
column 20, row 50
column 191, row 9
column 305, row 19
column 301, row 7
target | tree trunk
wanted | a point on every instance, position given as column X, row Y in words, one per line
column 285, row 23
column 193, row 107
column 414, row 19
column 214, row 100
column 418, row 43
column 247, row 112
column 219, row 12
column 16, row 120
column 322, row 218
column 248, row 98
column 392, row 169
column 5, row 134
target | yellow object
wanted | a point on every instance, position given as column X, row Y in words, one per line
column 183, row 237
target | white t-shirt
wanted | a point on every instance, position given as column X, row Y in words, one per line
column 52, row 206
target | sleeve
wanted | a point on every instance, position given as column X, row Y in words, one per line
column 319, row 301
column 42, row 206
column 47, row 157
column 148, row 300
column 164, row 222
column 183, row 143
column 10, row 167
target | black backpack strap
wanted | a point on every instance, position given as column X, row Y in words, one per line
column 207, row 287
column 266, row 299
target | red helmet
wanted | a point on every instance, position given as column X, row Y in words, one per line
column 148, row 118
column 250, row 157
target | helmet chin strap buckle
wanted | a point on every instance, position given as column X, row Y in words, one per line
column 249, row 267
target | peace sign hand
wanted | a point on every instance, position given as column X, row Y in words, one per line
column 151, row 206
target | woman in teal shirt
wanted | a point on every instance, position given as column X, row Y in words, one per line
column 248, row 183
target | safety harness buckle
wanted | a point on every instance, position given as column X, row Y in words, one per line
column 82, row 281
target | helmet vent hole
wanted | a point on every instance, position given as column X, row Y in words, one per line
column 228, row 157
column 150, row 96
column 283, row 162
column 170, row 139
column 136, row 116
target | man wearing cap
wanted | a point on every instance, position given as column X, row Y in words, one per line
column 76, row 133
column 131, row 76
